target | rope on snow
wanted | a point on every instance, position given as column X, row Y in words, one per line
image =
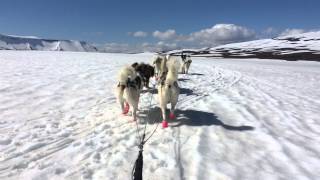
column 138, row 166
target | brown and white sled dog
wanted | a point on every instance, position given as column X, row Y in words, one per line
column 168, row 89
column 128, row 90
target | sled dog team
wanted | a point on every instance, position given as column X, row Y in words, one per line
column 131, row 80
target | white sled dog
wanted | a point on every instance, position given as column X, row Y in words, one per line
column 128, row 90
column 168, row 89
column 186, row 65
column 157, row 60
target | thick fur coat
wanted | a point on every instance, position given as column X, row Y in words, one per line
column 146, row 71
column 168, row 89
column 157, row 60
column 185, row 66
column 128, row 90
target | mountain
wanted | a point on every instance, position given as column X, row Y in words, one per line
column 33, row 43
column 304, row 46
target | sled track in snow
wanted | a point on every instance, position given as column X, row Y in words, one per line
column 233, row 122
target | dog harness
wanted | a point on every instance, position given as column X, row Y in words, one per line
column 162, row 81
column 136, row 83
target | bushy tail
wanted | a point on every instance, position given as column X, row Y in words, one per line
column 125, row 74
column 173, row 65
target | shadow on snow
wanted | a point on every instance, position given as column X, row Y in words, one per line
column 190, row 117
column 185, row 91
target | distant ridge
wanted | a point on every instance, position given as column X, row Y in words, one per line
column 304, row 46
column 9, row 42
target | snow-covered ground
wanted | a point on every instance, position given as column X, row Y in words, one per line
column 236, row 119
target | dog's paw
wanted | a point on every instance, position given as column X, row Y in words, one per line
column 172, row 116
column 164, row 124
column 126, row 109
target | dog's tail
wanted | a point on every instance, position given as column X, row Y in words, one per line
column 126, row 74
column 173, row 65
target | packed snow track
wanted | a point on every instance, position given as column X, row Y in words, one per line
column 236, row 119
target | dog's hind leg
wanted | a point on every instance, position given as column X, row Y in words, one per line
column 135, row 106
column 164, row 121
column 126, row 108
column 173, row 105
column 183, row 69
column 188, row 66
column 174, row 99
column 120, row 90
column 171, row 115
column 163, row 106
column 134, row 113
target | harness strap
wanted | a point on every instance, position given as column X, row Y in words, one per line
column 134, row 83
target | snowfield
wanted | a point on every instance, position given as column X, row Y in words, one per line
column 236, row 119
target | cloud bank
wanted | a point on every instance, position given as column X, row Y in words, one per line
column 289, row 32
column 222, row 34
column 166, row 35
column 218, row 34
column 140, row 34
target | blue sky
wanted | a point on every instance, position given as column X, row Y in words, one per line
column 106, row 21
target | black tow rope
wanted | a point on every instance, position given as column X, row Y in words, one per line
column 138, row 165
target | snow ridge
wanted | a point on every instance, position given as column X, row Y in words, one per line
column 34, row 43
column 304, row 46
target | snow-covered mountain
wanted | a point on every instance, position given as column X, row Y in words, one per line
column 33, row 43
column 304, row 46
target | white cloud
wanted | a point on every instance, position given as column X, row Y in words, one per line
column 169, row 39
column 216, row 35
column 139, row 34
column 289, row 32
column 168, row 34
column 115, row 48
column 137, row 48
column 222, row 34
column 270, row 30
column 166, row 46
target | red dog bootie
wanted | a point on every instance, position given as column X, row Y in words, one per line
column 126, row 108
column 164, row 124
column 172, row 116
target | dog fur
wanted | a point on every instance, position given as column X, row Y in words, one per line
column 186, row 65
column 168, row 89
column 128, row 90
column 146, row 71
column 157, row 61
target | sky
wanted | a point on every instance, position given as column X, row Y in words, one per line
column 161, row 23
